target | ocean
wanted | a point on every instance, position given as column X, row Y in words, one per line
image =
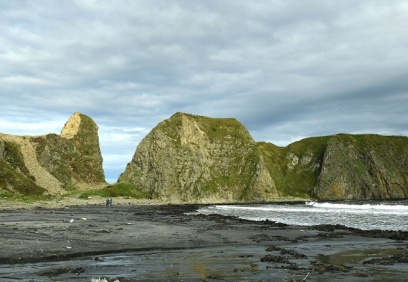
column 365, row 215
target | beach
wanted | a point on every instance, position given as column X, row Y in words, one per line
column 148, row 241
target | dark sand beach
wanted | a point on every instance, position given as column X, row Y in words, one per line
column 165, row 243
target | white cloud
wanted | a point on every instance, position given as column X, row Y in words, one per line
column 30, row 127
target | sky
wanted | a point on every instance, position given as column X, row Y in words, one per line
column 286, row 70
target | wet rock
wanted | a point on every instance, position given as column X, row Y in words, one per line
column 330, row 235
column 246, row 256
column 276, row 259
column 275, row 224
column 284, row 251
column 292, row 253
column 390, row 260
column 389, row 234
column 265, row 237
column 273, row 248
column 322, row 267
column 59, row 271
column 98, row 259
column 117, row 279
column 361, row 274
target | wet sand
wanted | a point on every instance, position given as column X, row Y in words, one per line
column 148, row 242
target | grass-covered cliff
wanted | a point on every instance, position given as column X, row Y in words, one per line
column 52, row 164
column 14, row 175
column 341, row 166
column 364, row 167
column 295, row 168
column 189, row 158
column 196, row 159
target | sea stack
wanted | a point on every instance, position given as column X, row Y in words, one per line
column 51, row 163
column 195, row 159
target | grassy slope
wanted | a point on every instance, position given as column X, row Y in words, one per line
column 300, row 179
column 15, row 179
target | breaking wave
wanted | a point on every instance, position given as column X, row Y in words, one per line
column 362, row 215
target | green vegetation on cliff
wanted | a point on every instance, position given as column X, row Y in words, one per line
column 215, row 128
column 15, row 179
column 364, row 167
column 190, row 158
column 73, row 160
column 341, row 166
column 295, row 168
column 193, row 158
column 196, row 159
column 52, row 164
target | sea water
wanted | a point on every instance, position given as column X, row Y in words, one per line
column 384, row 215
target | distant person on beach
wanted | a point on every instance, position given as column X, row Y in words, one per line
column 110, row 202
column 107, row 202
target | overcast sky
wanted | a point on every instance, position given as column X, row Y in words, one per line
column 285, row 69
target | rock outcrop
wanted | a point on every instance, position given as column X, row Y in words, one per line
column 341, row 167
column 191, row 158
column 196, row 159
column 52, row 164
column 364, row 167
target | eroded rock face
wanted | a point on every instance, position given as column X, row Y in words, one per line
column 72, row 126
column 364, row 167
column 74, row 157
column 190, row 158
column 53, row 163
column 340, row 167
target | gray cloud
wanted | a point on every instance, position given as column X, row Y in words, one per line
column 285, row 69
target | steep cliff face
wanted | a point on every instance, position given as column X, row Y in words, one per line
column 295, row 168
column 189, row 158
column 364, row 167
column 74, row 157
column 15, row 178
column 341, row 167
column 52, row 163
column 196, row 159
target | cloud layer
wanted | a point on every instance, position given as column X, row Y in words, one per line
column 285, row 69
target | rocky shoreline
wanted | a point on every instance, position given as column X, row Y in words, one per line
column 149, row 242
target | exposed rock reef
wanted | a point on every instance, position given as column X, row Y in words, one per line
column 189, row 158
column 52, row 164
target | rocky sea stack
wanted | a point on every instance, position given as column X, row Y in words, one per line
column 52, row 164
column 190, row 158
